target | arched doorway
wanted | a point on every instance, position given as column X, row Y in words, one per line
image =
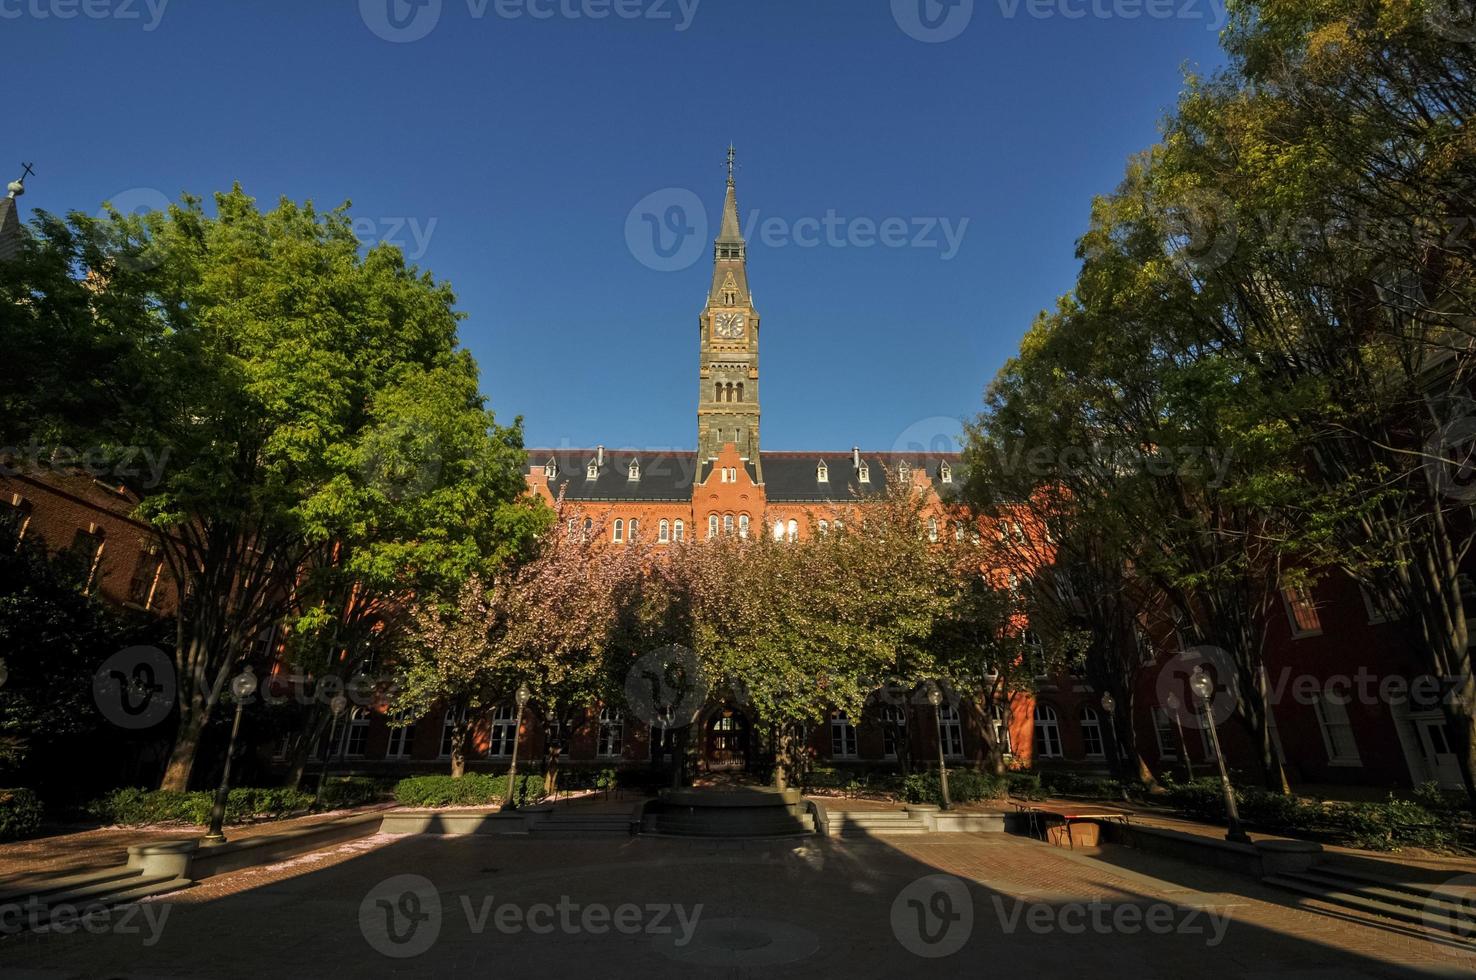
column 726, row 744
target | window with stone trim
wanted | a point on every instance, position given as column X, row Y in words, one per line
column 1047, row 733
column 663, row 531
column 504, row 730
column 842, row 736
column 612, row 733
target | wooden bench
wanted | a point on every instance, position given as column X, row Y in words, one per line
column 1038, row 820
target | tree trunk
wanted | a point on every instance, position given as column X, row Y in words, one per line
column 782, row 755
column 182, row 756
column 458, row 748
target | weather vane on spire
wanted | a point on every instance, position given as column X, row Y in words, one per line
column 732, row 155
column 30, row 170
column 18, row 187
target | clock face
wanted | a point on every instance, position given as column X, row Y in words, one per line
column 729, row 326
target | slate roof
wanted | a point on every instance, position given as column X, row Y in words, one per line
column 789, row 477
column 10, row 228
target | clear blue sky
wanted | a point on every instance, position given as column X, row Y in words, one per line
column 522, row 145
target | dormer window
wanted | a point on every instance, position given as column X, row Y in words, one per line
column 822, row 473
column 551, row 469
column 945, row 473
column 592, row 471
column 634, row 472
column 864, row 473
column 904, row 472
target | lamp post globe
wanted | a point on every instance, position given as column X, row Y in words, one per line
column 1109, row 703
column 338, row 705
column 935, row 696
column 1201, row 684
column 243, row 685
column 1172, row 702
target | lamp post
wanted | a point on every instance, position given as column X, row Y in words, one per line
column 338, row 706
column 512, row 773
column 1109, row 705
column 1172, row 701
column 243, row 685
column 935, row 698
column 4, row 673
column 1203, row 688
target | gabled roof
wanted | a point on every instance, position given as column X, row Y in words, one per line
column 663, row 475
column 793, row 477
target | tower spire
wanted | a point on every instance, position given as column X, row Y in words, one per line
column 731, row 231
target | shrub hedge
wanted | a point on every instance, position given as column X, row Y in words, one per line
column 341, row 792
column 20, row 813
column 1429, row 820
column 132, row 807
column 472, row 789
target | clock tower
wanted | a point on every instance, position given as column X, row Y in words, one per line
column 728, row 396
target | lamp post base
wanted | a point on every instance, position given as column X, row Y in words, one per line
column 1238, row 837
column 211, row 840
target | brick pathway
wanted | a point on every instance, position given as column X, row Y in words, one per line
column 861, row 909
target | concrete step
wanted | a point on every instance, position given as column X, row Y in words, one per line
column 1392, row 892
column 683, row 826
column 901, row 830
column 1437, row 914
column 41, row 887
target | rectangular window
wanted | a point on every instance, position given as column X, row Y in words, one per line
column 612, row 734
column 1301, row 612
column 87, row 551
column 1163, row 728
column 448, row 731
column 401, row 739
column 1380, row 607
column 504, row 730
column 146, row 578
column 951, row 732
column 842, row 737
column 893, row 723
column 1337, row 731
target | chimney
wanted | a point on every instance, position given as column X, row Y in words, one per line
column 856, row 457
column 600, row 456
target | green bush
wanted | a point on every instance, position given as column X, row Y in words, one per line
column 964, row 786
column 1024, row 786
column 1429, row 820
column 20, row 813
column 472, row 789
column 132, row 807
column 342, row 792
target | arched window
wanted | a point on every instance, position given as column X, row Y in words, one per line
column 778, row 530
column 894, row 728
column 358, row 733
column 663, row 531
column 842, row 737
column 612, row 733
column 588, row 527
column 824, row 527
column 740, row 391
column 717, row 396
column 573, row 527
column 932, row 529
column 449, row 721
column 619, row 529
column 743, row 525
column 1047, row 733
column 727, row 523
column 1000, row 726
column 1091, row 732
column 401, row 737
column 680, row 531
column 635, row 527
column 712, row 525
column 793, row 530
